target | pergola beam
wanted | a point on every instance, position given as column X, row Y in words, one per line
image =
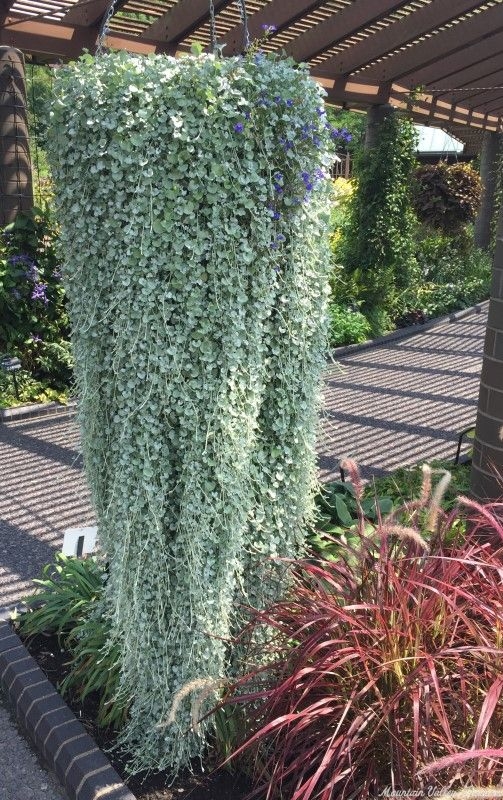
column 88, row 13
column 277, row 13
column 485, row 73
column 471, row 95
column 476, row 28
column 491, row 104
column 397, row 35
column 341, row 90
column 339, row 26
column 181, row 20
column 62, row 41
column 457, row 64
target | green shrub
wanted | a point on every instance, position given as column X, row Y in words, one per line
column 33, row 319
column 452, row 273
column 68, row 603
column 377, row 249
column 447, row 196
column 347, row 326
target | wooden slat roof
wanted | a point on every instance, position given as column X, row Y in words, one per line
column 443, row 59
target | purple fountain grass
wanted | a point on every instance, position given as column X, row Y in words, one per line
column 384, row 670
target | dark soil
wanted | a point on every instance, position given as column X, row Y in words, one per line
column 411, row 318
column 218, row 785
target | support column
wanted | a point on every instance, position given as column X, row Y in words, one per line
column 489, row 158
column 375, row 116
column 16, row 191
column 488, row 446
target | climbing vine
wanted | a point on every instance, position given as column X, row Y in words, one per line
column 378, row 246
column 191, row 194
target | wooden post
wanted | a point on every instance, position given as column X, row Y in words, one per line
column 16, row 190
column 375, row 116
column 488, row 446
column 489, row 158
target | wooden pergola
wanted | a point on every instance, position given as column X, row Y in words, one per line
column 440, row 58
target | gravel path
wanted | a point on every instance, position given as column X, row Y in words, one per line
column 21, row 776
column 392, row 405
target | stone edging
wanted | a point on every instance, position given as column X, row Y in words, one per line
column 60, row 739
column 35, row 410
column 403, row 333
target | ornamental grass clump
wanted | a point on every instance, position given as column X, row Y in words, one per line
column 192, row 198
column 385, row 671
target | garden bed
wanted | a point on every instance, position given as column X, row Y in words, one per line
column 218, row 785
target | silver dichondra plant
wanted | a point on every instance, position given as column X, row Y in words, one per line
column 192, row 202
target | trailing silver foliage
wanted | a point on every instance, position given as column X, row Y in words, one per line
column 191, row 198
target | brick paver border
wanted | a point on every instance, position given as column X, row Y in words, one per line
column 59, row 738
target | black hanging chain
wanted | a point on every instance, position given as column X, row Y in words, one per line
column 104, row 29
column 213, row 29
column 244, row 21
column 243, row 14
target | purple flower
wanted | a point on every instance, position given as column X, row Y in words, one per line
column 277, row 99
column 56, row 273
column 36, row 338
column 268, row 28
column 39, row 293
column 20, row 259
column 289, row 103
column 320, row 111
column 239, row 127
column 247, row 115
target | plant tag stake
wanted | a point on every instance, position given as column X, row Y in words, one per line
column 79, row 542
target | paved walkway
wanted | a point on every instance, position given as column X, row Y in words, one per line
column 403, row 402
column 388, row 406
column 392, row 405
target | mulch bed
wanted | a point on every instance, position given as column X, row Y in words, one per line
column 218, row 785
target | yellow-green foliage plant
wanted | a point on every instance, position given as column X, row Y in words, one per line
column 192, row 197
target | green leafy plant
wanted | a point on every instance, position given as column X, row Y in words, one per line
column 192, row 197
column 67, row 603
column 33, row 320
column 447, row 196
column 68, row 591
column 347, row 326
column 384, row 668
column 405, row 483
column 377, row 249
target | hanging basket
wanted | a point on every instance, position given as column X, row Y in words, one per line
column 192, row 198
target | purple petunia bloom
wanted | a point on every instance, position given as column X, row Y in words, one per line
column 289, row 103
column 268, row 28
column 39, row 293
column 239, row 127
column 36, row 338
